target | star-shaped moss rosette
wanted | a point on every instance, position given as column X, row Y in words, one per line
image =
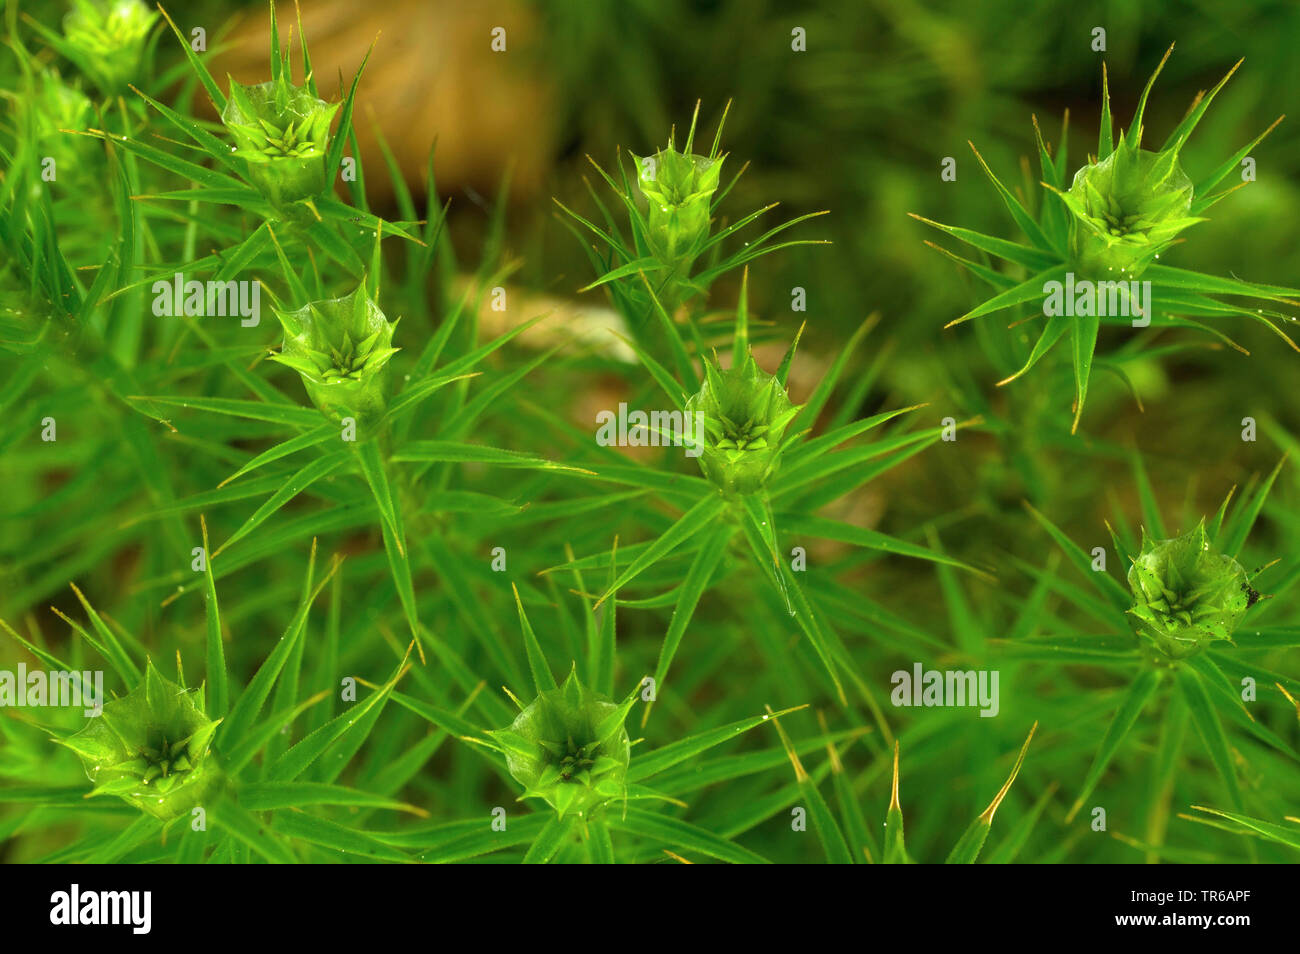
column 1124, row 208
column 569, row 747
column 1171, row 627
column 238, row 749
column 282, row 131
column 341, row 348
column 151, row 748
column 671, row 199
column 1186, row 593
column 745, row 412
column 106, row 40
column 764, row 478
column 1127, row 209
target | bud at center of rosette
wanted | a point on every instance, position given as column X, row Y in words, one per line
column 745, row 412
column 151, row 748
column 282, row 132
column 678, row 188
column 569, row 747
column 341, row 348
column 1187, row 594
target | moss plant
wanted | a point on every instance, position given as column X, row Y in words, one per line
column 748, row 488
column 1187, row 620
column 569, row 747
column 338, row 524
column 151, row 748
column 671, row 201
column 188, row 759
column 1123, row 208
column 282, row 132
column 1187, row 595
column 340, row 347
column 106, row 39
column 745, row 412
column 678, row 190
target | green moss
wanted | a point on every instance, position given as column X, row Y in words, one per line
column 1187, row 595
column 151, row 748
